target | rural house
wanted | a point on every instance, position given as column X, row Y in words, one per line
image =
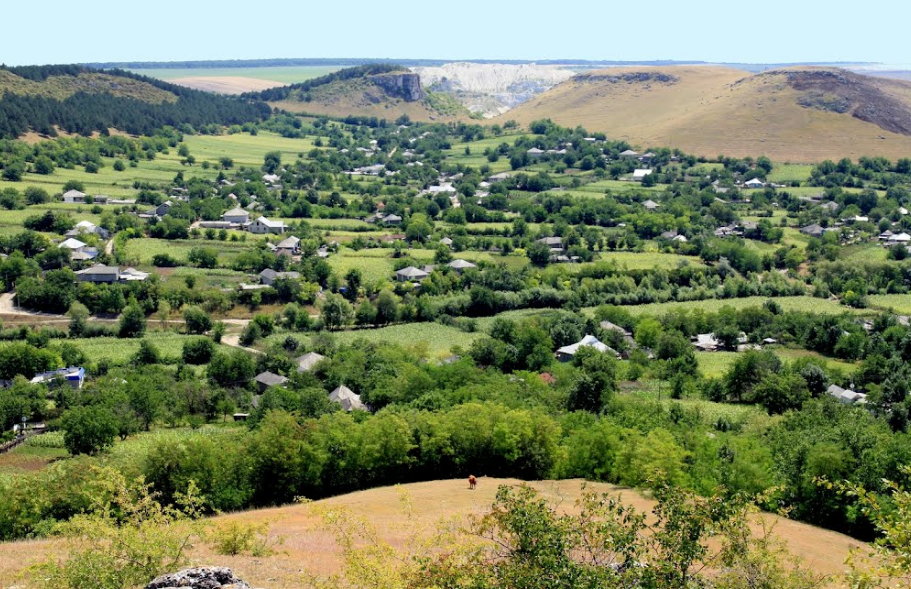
column 73, row 376
column 411, row 274
column 237, row 216
column 74, row 196
column 308, row 361
column 651, row 205
column 566, row 353
column 265, row 380
column 460, row 265
column 846, row 396
column 87, row 228
column 269, row 276
column 347, row 399
column 264, row 225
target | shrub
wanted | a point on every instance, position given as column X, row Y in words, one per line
column 198, row 350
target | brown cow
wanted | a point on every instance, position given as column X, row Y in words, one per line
column 472, row 482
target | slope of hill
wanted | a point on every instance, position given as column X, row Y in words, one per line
column 225, row 84
column 377, row 90
column 80, row 100
column 309, row 547
column 792, row 114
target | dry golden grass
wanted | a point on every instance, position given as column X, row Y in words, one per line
column 226, row 84
column 714, row 110
column 309, row 548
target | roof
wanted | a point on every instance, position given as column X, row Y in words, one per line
column 629, row 153
column 812, row 229
column 73, row 193
column 446, row 241
column 236, row 212
column 412, row 272
column 461, row 265
column 650, row 204
column 270, row 379
column 346, row 398
column 289, row 242
column 390, row 218
column 641, row 173
column 608, row 326
column 706, row 341
column 754, row 182
column 308, row 361
column 72, row 243
column 588, row 340
column 269, row 223
column 100, row 269
column 551, row 240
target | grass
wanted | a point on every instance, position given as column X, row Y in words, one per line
column 716, row 364
column 143, row 249
column 649, row 260
column 898, row 303
column 800, row 304
column 310, row 545
column 246, row 149
column 119, row 351
column 434, row 339
column 786, row 173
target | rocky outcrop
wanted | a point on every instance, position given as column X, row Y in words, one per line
column 628, row 77
column 199, row 578
column 404, row 85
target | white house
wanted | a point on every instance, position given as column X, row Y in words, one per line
column 410, row 274
column 73, row 196
column 650, row 205
column 236, row 215
column 566, row 353
column 639, row 174
column 459, row 265
column 754, row 183
column 264, row 225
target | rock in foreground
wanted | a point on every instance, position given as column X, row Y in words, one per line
column 199, row 578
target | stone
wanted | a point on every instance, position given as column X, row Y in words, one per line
column 404, row 85
column 199, row 578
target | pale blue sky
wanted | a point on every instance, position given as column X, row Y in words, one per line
column 710, row 30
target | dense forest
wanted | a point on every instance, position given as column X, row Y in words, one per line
column 84, row 113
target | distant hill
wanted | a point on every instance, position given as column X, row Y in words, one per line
column 385, row 91
column 798, row 114
column 81, row 100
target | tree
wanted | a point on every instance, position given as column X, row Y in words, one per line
column 387, row 307
column 79, row 315
column 88, row 430
column 22, row 359
column 163, row 312
column 365, row 314
column 44, row 165
column 353, row 279
column 272, row 161
column 203, row 257
column 146, row 354
column 538, row 253
column 132, row 321
column 231, row 369
column 336, row 312
column 198, row 350
column 196, row 320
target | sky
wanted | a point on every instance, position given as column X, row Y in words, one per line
column 772, row 31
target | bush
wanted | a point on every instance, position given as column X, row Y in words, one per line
column 165, row 261
column 198, row 350
column 236, row 538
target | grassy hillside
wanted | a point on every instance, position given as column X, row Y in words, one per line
column 794, row 114
column 309, row 547
column 357, row 92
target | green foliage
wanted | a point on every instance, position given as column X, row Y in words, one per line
column 127, row 538
column 88, row 430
